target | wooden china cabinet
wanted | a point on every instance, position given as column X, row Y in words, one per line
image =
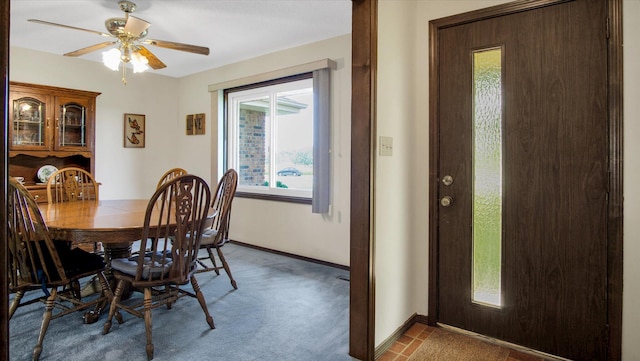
column 49, row 126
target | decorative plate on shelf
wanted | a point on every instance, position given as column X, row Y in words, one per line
column 45, row 172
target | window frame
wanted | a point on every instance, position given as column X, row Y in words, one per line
column 272, row 194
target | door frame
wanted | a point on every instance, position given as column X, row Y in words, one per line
column 364, row 35
column 4, row 258
column 615, row 128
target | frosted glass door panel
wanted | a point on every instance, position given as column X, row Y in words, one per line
column 487, row 168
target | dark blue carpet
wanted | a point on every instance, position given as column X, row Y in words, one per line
column 284, row 309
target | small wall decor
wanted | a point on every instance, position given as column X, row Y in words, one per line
column 134, row 130
column 195, row 124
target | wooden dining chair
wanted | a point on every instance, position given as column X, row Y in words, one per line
column 72, row 184
column 217, row 235
column 174, row 221
column 170, row 174
column 167, row 176
column 37, row 262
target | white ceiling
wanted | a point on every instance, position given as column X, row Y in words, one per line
column 233, row 30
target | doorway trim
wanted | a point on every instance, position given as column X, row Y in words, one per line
column 615, row 201
column 4, row 258
column 364, row 20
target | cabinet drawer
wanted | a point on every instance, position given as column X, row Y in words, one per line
column 40, row 195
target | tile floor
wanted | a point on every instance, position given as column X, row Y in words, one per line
column 411, row 340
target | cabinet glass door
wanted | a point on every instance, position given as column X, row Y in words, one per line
column 28, row 125
column 72, row 127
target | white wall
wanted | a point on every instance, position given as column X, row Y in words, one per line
column 401, row 180
column 133, row 173
column 401, row 235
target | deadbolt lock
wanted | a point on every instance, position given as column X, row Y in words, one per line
column 447, row 180
column 446, row 201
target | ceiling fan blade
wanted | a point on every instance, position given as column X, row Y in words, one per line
column 89, row 49
column 70, row 27
column 178, row 46
column 135, row 26
column 154, row 62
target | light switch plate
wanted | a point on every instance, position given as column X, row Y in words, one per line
column 386, row 146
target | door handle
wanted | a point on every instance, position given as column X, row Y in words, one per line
column 446, row 201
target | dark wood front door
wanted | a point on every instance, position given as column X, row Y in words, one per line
column 523, row 183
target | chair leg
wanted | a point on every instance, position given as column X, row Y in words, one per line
column 15, row 303
column 167, row 290
column 106, row 296
column 203, row 303
column 75, row 289
column 48, row 310
column 105, row 288
column 147, row 321
column 226, row 268
column 114, row 308
column 213, row 261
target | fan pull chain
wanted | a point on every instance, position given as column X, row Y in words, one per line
column 124, row 73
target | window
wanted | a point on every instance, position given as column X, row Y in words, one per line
column 278, row 138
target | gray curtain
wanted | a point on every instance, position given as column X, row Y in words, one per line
column 321, row 140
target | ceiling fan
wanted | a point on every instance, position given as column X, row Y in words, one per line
column 129, row 34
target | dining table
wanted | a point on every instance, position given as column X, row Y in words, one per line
column 116, row 224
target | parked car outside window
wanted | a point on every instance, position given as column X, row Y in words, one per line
column 289, row 171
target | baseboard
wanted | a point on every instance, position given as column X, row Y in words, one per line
column 335, row 265
column 384, row 346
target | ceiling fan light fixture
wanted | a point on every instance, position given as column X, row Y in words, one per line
column 139, row 62
column 111, row 59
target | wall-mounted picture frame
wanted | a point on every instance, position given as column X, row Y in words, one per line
column 134, row 128
column 195, row 124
